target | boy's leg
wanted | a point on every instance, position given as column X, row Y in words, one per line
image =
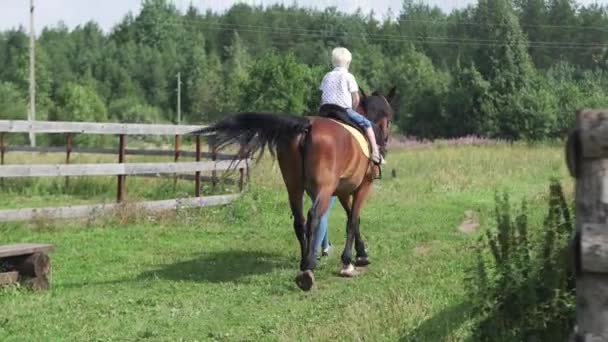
column 367, row 126
column 321, row 239
column 325, row 244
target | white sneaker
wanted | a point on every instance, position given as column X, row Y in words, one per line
column 377, row 158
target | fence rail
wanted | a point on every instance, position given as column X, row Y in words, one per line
column 90, row 211
column 215, row 162
column 17, row 171
column 128, row 151
column 24, row 126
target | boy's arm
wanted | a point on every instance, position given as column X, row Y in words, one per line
column 355, row 96
column 353, row 87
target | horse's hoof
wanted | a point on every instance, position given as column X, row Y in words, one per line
column 362, row 261
column 348, row 271
column 305, row 280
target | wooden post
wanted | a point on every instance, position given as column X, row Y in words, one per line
column 197, row 175
column 241, row 179
column 2, row 149
column 176, row 158
column 587, row 160
column 214, row 172
column 120, row 193
column 68, row 152
column 241, row 156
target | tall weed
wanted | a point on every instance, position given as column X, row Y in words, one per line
column 522, row 285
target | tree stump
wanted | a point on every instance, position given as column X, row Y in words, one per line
column 27, row 263
column 33, row 269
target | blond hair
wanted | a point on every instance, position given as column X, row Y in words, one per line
column 341, row 57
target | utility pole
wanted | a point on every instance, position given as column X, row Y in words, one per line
column 32, row 110
column 179, row 98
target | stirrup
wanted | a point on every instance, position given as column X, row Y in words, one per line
column 379, row 169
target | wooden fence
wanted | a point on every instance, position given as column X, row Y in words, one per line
column 587, row 160
column 215, row 162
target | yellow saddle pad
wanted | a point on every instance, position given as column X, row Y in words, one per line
column 358, row 136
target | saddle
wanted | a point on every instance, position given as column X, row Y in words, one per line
column 339, row 114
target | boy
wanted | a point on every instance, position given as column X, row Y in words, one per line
column 340, row 88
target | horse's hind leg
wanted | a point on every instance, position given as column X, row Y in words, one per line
column 319, row 207
column 353, row 234
column 305, row 279
column 361, row 258
column 296, row 204
column 290, row 162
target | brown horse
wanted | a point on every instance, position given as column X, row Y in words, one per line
column 318, row 156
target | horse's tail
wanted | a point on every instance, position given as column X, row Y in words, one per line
column 255, row 131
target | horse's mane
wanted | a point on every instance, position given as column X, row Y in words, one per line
column 376, row 107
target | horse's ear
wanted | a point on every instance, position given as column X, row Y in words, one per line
column 363, row 94
column 391, row 94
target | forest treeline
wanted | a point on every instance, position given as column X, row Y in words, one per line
column 513, row 69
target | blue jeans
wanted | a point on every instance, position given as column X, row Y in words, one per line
column 321, row 239
column 358, row 118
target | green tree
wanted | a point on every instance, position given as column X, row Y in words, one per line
column 208, row 91
column 470, row 111
column 235, row 75
column 79, row 103
column 534, row 18
column 12, row 102
column 562, row 16
column 16, row 61
column 133, row 111
column 279, row 83
column 425, row 26
column 157, row 23
column 503, row 60
column 421, row 107
column 502, row 57
column 593, row 20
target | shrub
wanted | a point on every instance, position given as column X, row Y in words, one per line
column 523, row 289
column 79, row 103
column 131, row 110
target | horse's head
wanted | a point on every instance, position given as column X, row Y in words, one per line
column 378, row 109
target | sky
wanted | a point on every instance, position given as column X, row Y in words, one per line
column 107, row 13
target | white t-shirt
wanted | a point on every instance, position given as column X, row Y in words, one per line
column 337, row 86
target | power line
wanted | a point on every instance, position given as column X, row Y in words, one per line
column 394, row 38
column 371, row 35
column 445, row 21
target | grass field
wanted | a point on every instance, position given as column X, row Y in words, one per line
column 226, row 273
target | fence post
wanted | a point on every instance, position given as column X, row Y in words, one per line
column 587, row 160
column 176, row 158
column 241, row 155
column 2, row 149
column 68, row 152
column 214, row 172
column 197, row 175
column 120, row 193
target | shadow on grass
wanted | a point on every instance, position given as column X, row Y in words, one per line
column 220, row 267
column 441, row 326
column 215, row 267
